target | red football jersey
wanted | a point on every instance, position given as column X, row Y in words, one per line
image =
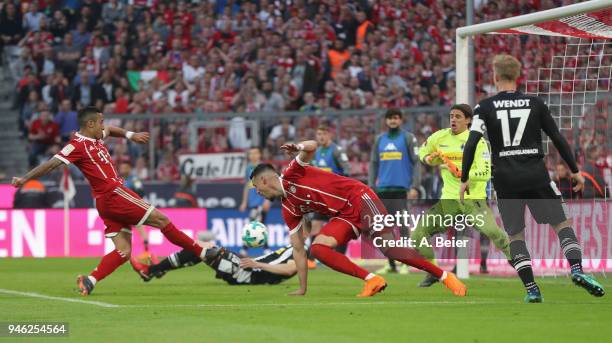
column 94, row 161
column 310, row 189
column 50, row 129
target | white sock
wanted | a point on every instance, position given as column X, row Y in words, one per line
column 370, row 276
column 92, row 279
column 443, row 276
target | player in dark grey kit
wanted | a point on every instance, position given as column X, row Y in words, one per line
column 514, row 122
column 270, row 269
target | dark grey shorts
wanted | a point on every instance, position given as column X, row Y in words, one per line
column 545, row 204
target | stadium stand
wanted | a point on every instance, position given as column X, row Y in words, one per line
column 151, row 56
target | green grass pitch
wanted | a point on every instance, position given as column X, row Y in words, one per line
column 190, row 305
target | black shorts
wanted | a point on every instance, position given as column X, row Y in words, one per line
column 395, row 201
column 545, row 204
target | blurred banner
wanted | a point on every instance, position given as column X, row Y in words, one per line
column 39, row 233
column 227, row 225
column 592, row 223
column 7, row 192
column 208, row 195
column 213, row 167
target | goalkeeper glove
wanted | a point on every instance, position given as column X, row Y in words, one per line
column 433, row 159
column 451, row 166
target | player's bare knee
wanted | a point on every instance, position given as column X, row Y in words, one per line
column 517, row 236
column 157, row 219
column 562, row 225
column 123, row 247
column 325, row 240
column 163, row 220
column 123, row 242
column 126, row 252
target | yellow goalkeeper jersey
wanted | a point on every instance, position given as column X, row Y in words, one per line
column 451, row 146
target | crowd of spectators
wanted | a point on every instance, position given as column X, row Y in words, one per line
column 157, row 56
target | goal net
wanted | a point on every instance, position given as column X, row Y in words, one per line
column 567, row 61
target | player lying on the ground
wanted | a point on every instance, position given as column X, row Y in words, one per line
column 351, row 206
column 445, row 148
column 514, row 122
column 119, row 207
column 271, row 268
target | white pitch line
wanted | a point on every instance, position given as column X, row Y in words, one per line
column 546, row 280
column 48, row 297
column 316, row 304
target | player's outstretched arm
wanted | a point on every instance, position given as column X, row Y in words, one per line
column 245, row 197
column 428, row 152
column 468, row 158
column 342, row 160
column 37, row 172
column 287, row 269
column 306, row 150
column 136, row 137
column 469, row 151
column 550, row 128
column 413, row 148
column 299, row 256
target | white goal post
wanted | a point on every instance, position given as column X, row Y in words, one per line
column 464, row 35
column 572, row 16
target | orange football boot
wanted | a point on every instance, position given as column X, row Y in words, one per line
column 312, row 264
column 375, row 285
column 457, row 287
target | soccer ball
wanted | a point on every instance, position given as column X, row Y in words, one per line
column 254, row 234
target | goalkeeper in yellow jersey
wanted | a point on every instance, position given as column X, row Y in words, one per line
column 444, row 148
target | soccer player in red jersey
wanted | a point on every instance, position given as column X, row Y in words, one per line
column 118, row 206
column 349, row 203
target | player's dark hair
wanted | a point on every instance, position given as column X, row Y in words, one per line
column 323, row 127
column 262, row 168
column 248, row 151
column 85, row 114
column 393, row 112
column 465, row 109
